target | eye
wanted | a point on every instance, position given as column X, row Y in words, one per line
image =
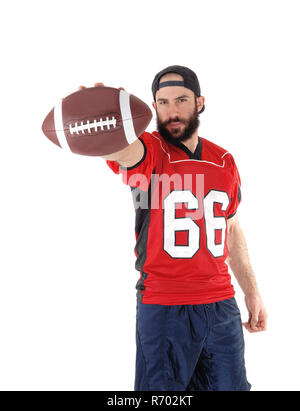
column 182, row 100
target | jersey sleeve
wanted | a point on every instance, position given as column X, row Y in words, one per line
column 236, row 195
column 138, row 175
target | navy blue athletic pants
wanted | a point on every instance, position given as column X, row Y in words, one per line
column 190, row 347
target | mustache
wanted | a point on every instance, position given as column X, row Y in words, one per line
column 173, row 120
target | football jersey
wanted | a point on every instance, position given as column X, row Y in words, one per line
column 182, row 203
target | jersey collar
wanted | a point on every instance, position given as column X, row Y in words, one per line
column 197, row 153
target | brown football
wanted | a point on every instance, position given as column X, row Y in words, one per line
column 97, row 121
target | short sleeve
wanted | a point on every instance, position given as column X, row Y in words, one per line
column 138, row 175
column 236, row 195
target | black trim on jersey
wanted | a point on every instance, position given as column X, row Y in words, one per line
column 239, row 198
column 141, row 160
column 239, row 194
column 197, row 155
column 231, row 215
column 140, row 287
column 142, row 223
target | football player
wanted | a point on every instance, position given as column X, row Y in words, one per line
column 186, row 191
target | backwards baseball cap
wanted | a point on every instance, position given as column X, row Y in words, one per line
column 190, row 81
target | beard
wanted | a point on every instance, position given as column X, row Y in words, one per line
column 190, row 126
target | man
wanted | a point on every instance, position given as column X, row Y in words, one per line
column 186, row 191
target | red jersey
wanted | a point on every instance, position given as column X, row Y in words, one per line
column 182, row 203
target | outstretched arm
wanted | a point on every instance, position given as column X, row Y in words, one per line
column 238, row 260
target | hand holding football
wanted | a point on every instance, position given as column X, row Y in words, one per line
column 97, row 121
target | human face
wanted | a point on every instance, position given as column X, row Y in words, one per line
column 177, row 113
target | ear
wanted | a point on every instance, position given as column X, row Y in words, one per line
column 200, row 102
column 154, row 105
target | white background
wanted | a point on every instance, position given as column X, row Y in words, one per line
column 67, row 277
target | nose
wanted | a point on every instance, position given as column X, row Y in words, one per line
column 173, row 111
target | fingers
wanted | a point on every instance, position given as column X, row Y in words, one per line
column 258, row 327
column 98, row 85
column 252, row 331
column 253, row 324
column 257, row 320
column 254, row 321
column 249, row 328
column 95, row 85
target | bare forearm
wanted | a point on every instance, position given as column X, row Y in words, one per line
column 239, row 262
